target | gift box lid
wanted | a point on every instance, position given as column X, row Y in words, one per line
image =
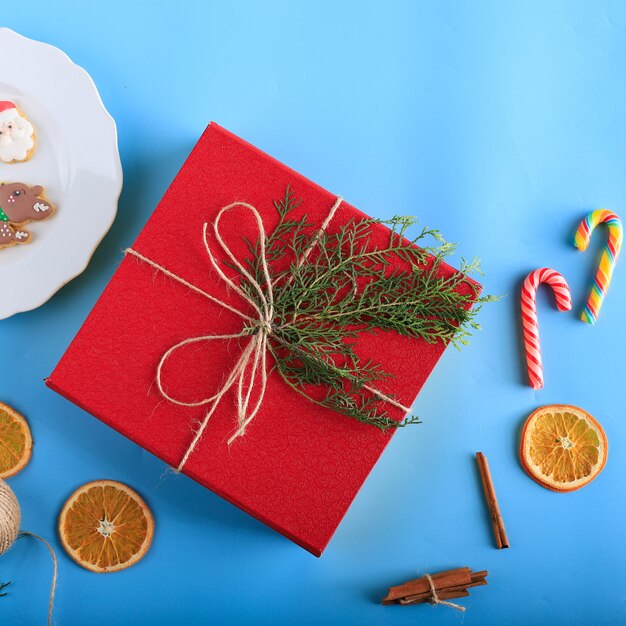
column 299, row 466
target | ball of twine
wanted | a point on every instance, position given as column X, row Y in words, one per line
column 9, row 517
column 10, row 529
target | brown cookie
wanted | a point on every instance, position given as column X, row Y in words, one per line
column 20, row 204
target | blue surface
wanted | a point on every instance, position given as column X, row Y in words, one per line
column 499, row 125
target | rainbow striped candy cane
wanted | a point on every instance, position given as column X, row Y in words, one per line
column 529, row 317
column 607, row 261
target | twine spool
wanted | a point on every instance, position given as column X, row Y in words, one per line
column 9, row 517
column 10, row 530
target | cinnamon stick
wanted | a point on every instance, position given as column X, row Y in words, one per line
column 446, row 591
column 502, row 541
column 448, row 585
column 442, row 595
column 418, row 586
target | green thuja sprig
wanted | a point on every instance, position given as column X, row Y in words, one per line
column 3, row 586
column 348, row 286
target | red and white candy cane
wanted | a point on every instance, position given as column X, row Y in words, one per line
column 529, row 316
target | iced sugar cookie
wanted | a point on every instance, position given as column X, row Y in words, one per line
column 20, row 204
column 17, row 135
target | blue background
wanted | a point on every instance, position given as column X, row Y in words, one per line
column 501, row 124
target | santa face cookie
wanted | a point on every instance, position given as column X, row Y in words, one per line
column 17, row 135
column 20, row 204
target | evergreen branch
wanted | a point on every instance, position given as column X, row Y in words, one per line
column 348, row 286
column 3, row 586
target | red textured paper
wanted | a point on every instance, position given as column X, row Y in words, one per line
column 298, row 467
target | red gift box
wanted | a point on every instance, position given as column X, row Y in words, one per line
column 299, row 466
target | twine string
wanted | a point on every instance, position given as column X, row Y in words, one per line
column 250, row 370
column 10, row 517
column 435, row 598
column 53, row 585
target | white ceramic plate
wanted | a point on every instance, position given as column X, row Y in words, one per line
column 76, row 160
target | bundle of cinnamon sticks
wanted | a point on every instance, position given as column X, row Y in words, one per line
column 448, row 585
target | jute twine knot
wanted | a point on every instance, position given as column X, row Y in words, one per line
column 10, row 530
column 435, row 598
column 9, row 517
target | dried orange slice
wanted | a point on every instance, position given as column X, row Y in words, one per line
column 105, row 526
column 16, row 442
column 563, row 447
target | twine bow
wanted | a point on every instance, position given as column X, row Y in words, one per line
column 250, row 369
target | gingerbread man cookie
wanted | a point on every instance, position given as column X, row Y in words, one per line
column 20, row 204
column 17, row 135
